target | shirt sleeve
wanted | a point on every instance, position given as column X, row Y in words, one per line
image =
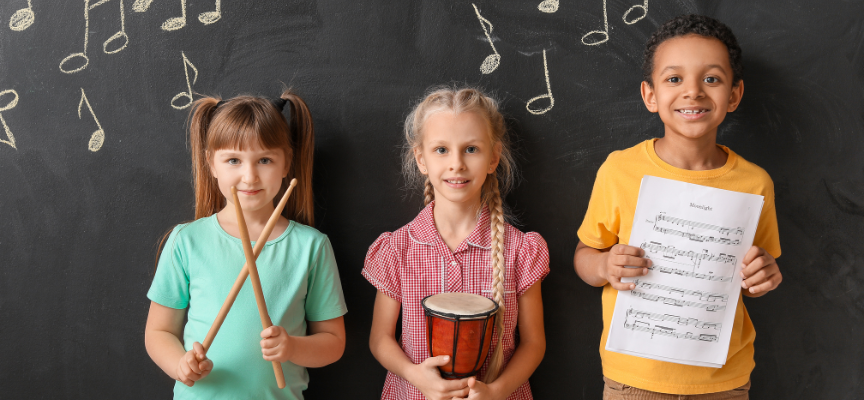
column 767, row 233
column 532, row 262
column 170, row 286
column 381, row 267
column 324, row 297
column 602, row 220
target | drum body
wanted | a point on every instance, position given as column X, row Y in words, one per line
column 459, row 325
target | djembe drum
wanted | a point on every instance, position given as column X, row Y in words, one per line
column 459, row 325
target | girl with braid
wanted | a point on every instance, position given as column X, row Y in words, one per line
column 456, row 144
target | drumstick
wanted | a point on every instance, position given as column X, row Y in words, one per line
column 256, row 281
column 244, row 272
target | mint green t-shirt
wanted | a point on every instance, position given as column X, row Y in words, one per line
column 300, row 281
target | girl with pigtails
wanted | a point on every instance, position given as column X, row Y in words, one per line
column 456, row 144
column 246, row 142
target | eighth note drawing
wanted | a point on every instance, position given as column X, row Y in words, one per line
column 643, row 6
column 117, row 36
column 491, row 62
column 604, row 33
column 98, row 137
column 175, row 23
column 7, row 107
column 548, row 94
column 548, row 6
column 187, row 94
column 23, row 18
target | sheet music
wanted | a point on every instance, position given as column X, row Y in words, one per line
column 682, row 310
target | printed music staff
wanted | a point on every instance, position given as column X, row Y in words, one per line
column 600, row 36
column 643, row 6
column 116, row 37
column 98, row 137
column 548, row 94
column 23, row 18
column 187, row 94
column 175, row 23
column 491, row 62
column 548, row 6
column 7, row 107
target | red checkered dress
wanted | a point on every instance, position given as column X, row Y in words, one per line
column 414, row 262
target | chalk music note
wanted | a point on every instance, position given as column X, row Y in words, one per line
column 643, row 6
column 604, row 33
column 491, row 62
column 141, row 5
column 188, row 94
column 548, row 6
column 115, row 37
column 175, row 23
column 23, row 18
column 98, row 137
column 548, row 94
column 210, row 17
column 8, row 107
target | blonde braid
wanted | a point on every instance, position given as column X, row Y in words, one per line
column 428, row 192
column 496, row 216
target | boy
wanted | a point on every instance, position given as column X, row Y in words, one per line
column 692, row 78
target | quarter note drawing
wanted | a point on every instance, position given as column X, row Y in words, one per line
column 98, row 137
column 23, row 18
column 643, row 321
column 175, row 23
column 116, row 42
column 491, row 62
column 548, row 6
column 14, row 102
column 187, row 94
column 643, row 6
column 594, row 38
column 548, row 94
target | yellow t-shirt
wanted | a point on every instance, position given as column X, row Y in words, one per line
column 609, row 220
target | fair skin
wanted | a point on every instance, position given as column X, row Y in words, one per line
column 456, row 154
column 692, row 90
column 257, row 173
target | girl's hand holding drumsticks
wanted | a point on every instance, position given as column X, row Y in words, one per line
column 276, row 344
column 194, row 365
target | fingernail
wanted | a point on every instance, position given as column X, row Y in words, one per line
column 744, row 285
column 644, row 271
column 752, row 290
column 632, row 286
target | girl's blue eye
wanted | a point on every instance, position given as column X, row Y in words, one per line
column 674, row 79
column 472, row 149
column 233, row 161
column 440, row 150
column 711, row 79
column 265, row 160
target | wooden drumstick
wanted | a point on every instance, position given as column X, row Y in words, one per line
column 244, row 272
column 256, row 281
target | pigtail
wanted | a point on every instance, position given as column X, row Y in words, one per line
column 428, row 192
column 301, row 205
column 497, row 229
column 208, row 198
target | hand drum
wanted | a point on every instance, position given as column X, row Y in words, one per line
column 459, row 325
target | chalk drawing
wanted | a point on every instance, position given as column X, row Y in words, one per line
column 116, row 37
column 604, row 33
column 98, row 137
column 23, row 18
column 8, row 107
column 491, row 62
column 548, row 6
column 548, row 94
column 643, row 6
column 187, row 94
column 175, row 23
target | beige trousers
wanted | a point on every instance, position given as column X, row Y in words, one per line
column 620, row 391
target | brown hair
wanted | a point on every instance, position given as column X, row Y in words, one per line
column 239, row 122
column 497, row 184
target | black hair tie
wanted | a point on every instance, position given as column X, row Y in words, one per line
column 279, row 103
column 221, row 102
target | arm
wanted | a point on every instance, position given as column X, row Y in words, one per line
column 425, row 376
column 162, row 340
column 529, row 353
column 598, row 267
column 324, row 344
column 761, row 273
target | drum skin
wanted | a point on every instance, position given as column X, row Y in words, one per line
column 472, row 343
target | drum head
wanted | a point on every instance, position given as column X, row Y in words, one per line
column 459, row 305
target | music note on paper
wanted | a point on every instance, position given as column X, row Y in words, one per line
column 187, row 94
column 14, row 102
column 175, row 23
column 98, row 137
column 548, row 6
column 548, row 94
column 23, row 18
column 643, row 7
column 116, row 42
column 594, row 38
column 491, row 62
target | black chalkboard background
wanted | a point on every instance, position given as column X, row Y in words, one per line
column 78, row 228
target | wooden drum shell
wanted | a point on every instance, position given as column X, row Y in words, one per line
column 465, row 338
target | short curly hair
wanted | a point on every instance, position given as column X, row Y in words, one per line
column 693, row 24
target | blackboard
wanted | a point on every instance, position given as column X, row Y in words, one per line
column 80, row 217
